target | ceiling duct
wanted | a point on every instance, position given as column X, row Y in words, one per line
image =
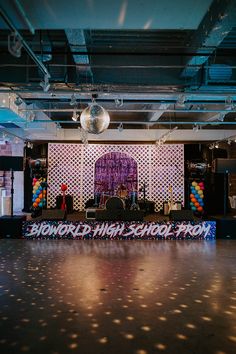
column 220, row 72
column 77, row 43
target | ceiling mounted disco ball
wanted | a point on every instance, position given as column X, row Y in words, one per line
column 94, row 119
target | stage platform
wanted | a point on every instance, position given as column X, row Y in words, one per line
column 153, row 226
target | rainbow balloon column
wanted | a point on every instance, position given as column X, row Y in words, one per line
column 197, row 197
column 39, row 194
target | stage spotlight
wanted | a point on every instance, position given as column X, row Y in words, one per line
column 18, row 101
column 216, row 146
column 120, row 127
column 14, row 45
column 73, row 101
column 45, row 84
column 75, row 116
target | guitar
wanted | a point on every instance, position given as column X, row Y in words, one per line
column 171, row 204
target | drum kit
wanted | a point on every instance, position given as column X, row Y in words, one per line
column 103, row 197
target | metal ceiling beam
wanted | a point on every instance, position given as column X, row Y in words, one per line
column 140, row 110
column 216, row 24
column 169, row 122
column 25, row 45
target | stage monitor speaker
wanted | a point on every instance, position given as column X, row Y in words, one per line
column 181, row 215
column 8, row 163
column 69, row 203
column 119, row 215
column 224, row 166
column 11, row 226
column 53, row 214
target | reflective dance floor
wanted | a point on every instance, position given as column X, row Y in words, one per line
column 118, row 297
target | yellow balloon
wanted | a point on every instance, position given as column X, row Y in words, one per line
column 200, row 191
column 194, row 184
column 197, row 188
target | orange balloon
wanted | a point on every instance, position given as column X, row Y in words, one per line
column 37, row 200
column 40, row 196
column 196, row 204
column 193, row 200
column 191, row 195
column 200, row 208
column 35, row 205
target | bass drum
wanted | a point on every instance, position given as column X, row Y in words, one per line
column 115, row 203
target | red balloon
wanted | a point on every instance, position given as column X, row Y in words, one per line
column 200, row 208
column 63, row 187
column 196, row 204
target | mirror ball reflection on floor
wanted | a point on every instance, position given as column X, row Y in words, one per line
column 139, row 297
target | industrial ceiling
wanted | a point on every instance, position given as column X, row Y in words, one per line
column 161, row 69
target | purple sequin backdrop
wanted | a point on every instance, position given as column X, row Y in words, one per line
column 114, row 169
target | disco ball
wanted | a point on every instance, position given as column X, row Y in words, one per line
column 94, row 119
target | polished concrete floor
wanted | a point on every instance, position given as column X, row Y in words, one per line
column 110, row 297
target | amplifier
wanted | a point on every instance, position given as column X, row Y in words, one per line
column 224, row 166
column 69, row 203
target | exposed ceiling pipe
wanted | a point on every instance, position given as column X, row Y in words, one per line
column 135, row 122
column 24, row 17
column 32, row 55
column 141, row 110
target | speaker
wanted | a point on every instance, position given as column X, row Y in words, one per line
column 53, row 214
column 11, row 226
column 181, row 215
column 8, row 163
column 224, row 166
column 69, row 203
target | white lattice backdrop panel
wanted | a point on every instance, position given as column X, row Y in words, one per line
column 168, row 172
column 74, row 164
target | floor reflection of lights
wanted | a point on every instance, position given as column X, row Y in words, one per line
column 112, row 297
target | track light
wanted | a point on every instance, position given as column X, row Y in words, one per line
column 216, row 146
column 120, row 127
column 195, row 128
column 45, row 84
column 75, row 116
column 180, row 100
column 14, row 45
column 119, row 102
column 73, row 101
column 18, row 101
column 29, row 145
column 229, row 103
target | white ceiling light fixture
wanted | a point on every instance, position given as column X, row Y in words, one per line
column 75, row 116
column 181, row 100
column 120, row 127
column 216, row 145
column 73, row 100
column 229, row 103
column 45, row 84
column 94, row 119
column 18, row 101
column 119, row 102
